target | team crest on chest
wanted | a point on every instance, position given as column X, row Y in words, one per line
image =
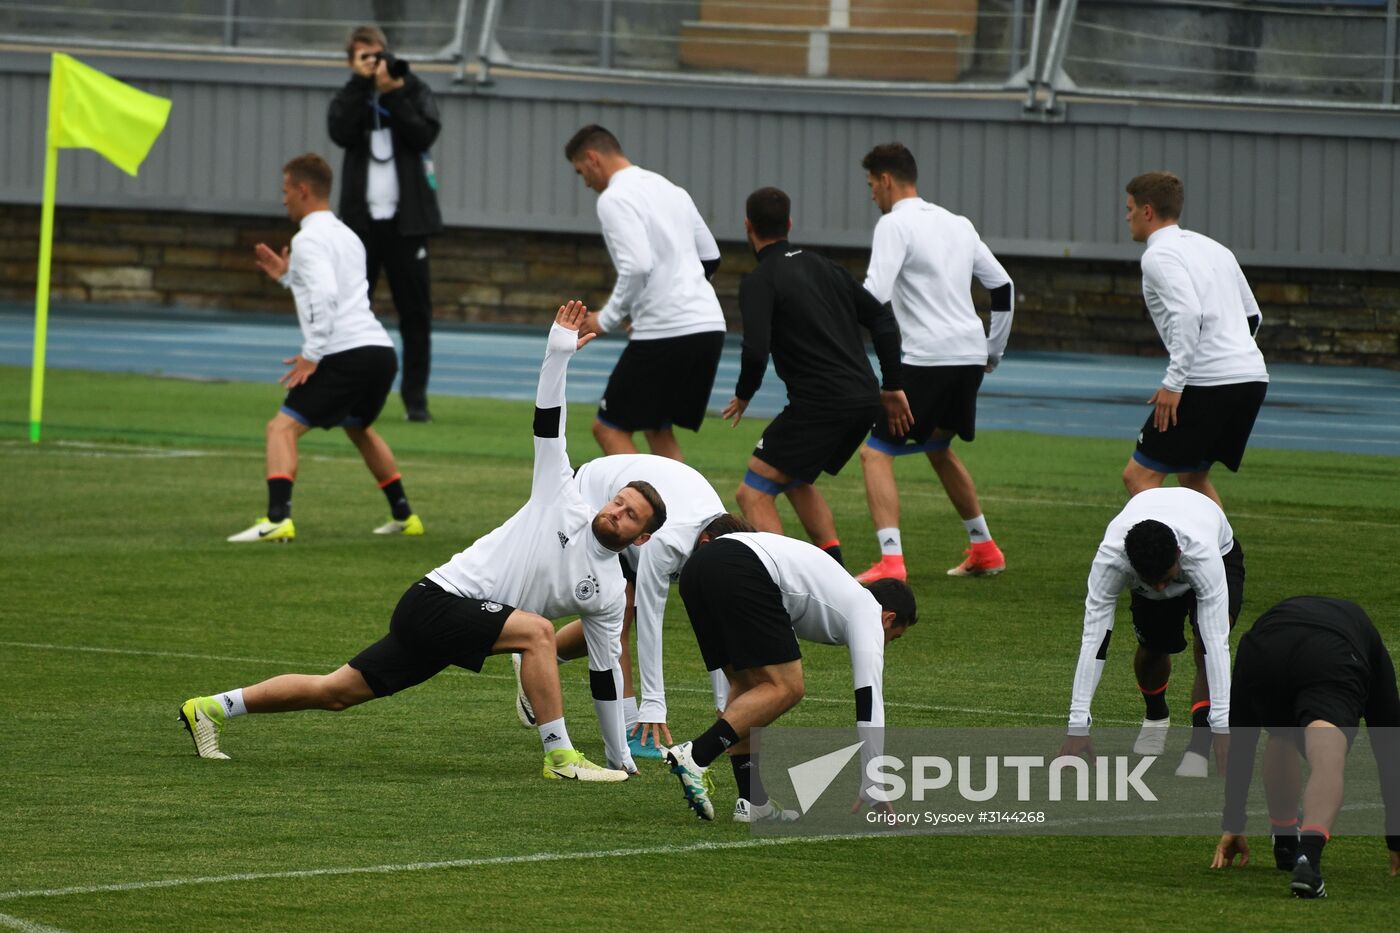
column 586, row 588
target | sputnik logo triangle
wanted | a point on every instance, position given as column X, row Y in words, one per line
column 811, row 778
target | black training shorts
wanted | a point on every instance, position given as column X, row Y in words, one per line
column 736, row 609
column 942, row 398
column 347, row 390
column 1213, row 424
column 1159, row 623
column 660, row 383
column 806, row 440
column 430, row 630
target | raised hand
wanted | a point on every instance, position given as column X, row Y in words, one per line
column 571, row 316
column 273, row 264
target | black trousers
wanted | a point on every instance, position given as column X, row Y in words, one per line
column 404, row 260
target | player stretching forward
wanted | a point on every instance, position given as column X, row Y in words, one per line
column 1175, row 551
column 346, row 365
column 807, row 311
column 750, row 596
column 1206, row 315
column 923, row 260
column 555, row 557
column 691, row 504
column 664, row 255
column 1309, row 671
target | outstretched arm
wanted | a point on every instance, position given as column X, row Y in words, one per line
column 552, row 467
column 1105, row 583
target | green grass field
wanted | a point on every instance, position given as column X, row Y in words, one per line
column 121, row 599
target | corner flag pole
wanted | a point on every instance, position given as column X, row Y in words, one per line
column 41, row 292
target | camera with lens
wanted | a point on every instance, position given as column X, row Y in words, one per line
column 396, row 66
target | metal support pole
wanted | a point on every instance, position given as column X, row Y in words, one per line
column 1029, row 71
column 457, row 48
column 1388, row 89
column 1059, row 47
column 1018, row 37
column 230, row 23
column 488, row 37
column 605, row 36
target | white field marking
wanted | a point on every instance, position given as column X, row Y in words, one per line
column 28, row 926
column 281, row 662
column 414, row 866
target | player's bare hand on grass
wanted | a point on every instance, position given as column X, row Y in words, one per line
column 572, row 316
column 274, row 264
column 1229, row 846
column 300, row 372
column 876, row 806
column 1394, row 864
column 656, row 731
column 1166, row 402
column 1077, row 746
column 897, row 411
column 735, row 409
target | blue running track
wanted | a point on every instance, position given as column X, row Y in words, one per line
column 1345, row 409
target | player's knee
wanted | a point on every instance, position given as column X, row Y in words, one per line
column 747, row 496
column 794, row 691
column 538, row 633
column 334, row 698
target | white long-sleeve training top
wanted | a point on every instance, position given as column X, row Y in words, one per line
column 1205, row 537
column 326, row 273
column 923, row 259
column 545, row 558
column 657, row 240
column 691, row 503
column 827, row 606
column 1201, row 302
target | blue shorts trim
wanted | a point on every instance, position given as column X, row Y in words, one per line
column 1160, row 467
column 294, row 415
column 900, row 450
column 352, row 422
column 768, row 486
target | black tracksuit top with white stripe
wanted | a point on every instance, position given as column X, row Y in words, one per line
column 807, row 312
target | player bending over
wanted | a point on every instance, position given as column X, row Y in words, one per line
column 554, row 557
column 750, row 596
column 1175, row 551
column 1309, row 671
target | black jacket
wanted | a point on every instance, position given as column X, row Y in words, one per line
column 411, row 115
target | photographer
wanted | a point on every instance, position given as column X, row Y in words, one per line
column 385, row 119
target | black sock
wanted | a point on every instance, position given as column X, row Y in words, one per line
column 834, row 549
column 279, row 498
column 712, row 743
column 1285, row 840
column 1156, row 703
column 1310, row 843
column 398, row 500
column 1200, row 730
column 746, row 776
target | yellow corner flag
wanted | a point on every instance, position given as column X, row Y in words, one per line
column 87, row 110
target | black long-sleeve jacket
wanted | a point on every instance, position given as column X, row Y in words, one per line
column 807, row 312
column 411, row 115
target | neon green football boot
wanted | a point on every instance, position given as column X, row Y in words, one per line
column 203, row 719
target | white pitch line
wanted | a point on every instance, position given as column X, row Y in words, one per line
column 411, row 866
column 282, row 662
column 27, row 926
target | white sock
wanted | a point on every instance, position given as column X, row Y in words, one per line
column 890, row 543
column 232, row 702
column 554, row 735
column 629, row 712
column 977, row 529
column 610, row 723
